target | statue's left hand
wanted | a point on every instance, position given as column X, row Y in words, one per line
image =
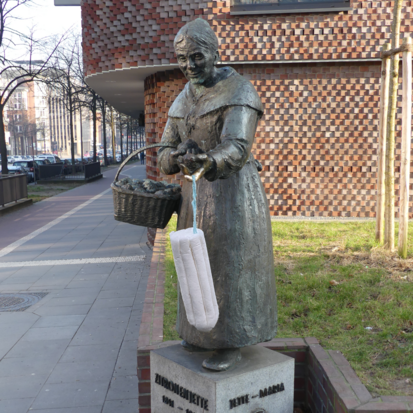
column 197, row 165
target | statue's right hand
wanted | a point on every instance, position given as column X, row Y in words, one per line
column 189, row 146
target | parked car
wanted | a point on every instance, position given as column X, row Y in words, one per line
column 14, row 158
column 19, row 170
column 101, row 159
column 31, row 166
column 67, row 166
column 50, row 158
column 78, row 164
column 42, row 161
column 81, row 161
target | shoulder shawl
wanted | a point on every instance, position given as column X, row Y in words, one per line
column 234, row 90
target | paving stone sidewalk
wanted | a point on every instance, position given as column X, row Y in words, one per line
column 74, row 350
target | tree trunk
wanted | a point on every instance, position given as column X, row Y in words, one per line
column 112, row 121
column 391, row 124
column 121, row 140
column 72, row 140
column 105, row 158
column 384, row 103
column 405, row 155
column 3, row 148
column 94, row 125
column 81, row 133
column 129, row 140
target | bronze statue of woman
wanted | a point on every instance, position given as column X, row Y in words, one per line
column 212, row 123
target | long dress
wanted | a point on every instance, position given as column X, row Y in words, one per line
column 232, row 210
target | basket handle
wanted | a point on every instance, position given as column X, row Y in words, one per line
column 144, row 148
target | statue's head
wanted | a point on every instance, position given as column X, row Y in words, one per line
column 196, row 48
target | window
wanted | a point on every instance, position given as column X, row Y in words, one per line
column 287, row 6
column 17, row 118
column 19, row 128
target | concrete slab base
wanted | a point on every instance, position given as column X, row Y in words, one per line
column 262, row 382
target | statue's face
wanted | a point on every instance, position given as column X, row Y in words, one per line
column 196, row 62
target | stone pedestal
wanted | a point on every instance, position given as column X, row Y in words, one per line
column 262, row 382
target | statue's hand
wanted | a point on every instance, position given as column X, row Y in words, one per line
column 189, row 146
column 197, row 165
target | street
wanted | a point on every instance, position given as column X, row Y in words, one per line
column 74, row 280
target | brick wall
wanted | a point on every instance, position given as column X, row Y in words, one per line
column 317, row 140
column 122, row 34
column 161, row 89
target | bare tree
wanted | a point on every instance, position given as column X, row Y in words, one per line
column 63, row 78
column 103, row 107
column 121, row 124
column 112, row 113
column 16, row 73
column 23, row 131
column 89, row 100
column 86, row 98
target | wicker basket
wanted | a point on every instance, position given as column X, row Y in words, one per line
column 146, row 210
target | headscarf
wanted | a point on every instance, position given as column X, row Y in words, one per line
column 200, row 32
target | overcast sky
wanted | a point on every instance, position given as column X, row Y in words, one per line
column 47, row 18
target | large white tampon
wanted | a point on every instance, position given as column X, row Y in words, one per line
column 194, row 275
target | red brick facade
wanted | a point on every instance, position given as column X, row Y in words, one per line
column 122, row 34
column 317, row 140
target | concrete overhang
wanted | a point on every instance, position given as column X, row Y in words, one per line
column 67, row 2
column 124, row 88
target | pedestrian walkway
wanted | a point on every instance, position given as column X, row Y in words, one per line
column 77, row 286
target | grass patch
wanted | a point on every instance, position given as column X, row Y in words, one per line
column 336, row 284
column 43, row 191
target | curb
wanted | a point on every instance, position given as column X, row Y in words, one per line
column 21, row 203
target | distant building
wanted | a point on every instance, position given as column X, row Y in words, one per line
column 37, row 121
